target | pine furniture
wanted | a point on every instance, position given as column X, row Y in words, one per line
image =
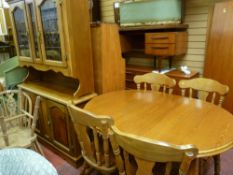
column 93, row 136
column 108, row 64
column 156, row 81
column 147, row 153
column 132, row 71
column 207, row 90
column 53, row 40
column 47, row 37
column 18, row 120
column 170, row 118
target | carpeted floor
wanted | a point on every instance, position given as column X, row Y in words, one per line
column 64, row 168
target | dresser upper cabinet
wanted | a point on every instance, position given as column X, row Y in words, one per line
column 49, row 13
column 39, row 31
column 21, row 31
column 55, row 35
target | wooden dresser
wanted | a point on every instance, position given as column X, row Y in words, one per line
column 54, row 42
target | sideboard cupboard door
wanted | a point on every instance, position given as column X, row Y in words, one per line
column 43, row 124
column 20, row 31
column 34, row 32
column 49, row 14
column 59, row 117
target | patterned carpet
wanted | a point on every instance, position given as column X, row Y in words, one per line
column 64, row 168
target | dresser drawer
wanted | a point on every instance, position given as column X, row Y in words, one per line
column 160, row 49
column 165, row 37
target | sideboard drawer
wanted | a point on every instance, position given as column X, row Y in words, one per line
column 165, row 37
column 160, row 49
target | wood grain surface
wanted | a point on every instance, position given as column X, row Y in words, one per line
column 170, row 118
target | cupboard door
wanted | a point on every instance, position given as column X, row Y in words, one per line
column 43, row 124
column 59, row 117
column 33, row 28
column 218, row 61
column 20, row 29
column 50, row 24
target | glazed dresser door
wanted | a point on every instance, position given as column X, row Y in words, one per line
column 21, row 32
column 34, row 32
column 50, row 24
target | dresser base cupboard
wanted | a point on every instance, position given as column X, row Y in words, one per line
column 54, row 126
column 219, row 62
column 53, row 40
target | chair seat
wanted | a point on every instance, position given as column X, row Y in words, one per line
column 18, row 137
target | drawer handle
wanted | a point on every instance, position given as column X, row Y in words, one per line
column 159, row 37
column 159, row 47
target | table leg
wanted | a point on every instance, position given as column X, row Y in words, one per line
column 194, row 167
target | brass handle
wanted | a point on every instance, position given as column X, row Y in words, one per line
column 38, row 37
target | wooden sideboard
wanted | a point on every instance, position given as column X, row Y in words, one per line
column 156, row 42
column 131, row 71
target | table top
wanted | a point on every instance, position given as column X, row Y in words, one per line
column 171, row 118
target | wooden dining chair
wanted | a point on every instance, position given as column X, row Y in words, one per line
column 93, row 136
column 156, row 82
column 207, row 90
column 18, row 120
column 141, row 155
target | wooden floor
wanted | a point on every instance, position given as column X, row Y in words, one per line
column 63, row 168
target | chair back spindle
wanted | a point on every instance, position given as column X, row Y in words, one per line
column 93, row 136
column 17, row 121
column 207, row 89
column 147, row 153
column 157, row 82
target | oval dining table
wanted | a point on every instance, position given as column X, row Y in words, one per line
column 170, row 118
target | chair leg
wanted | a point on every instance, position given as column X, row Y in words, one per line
column 38, row 148
column 217, row 165
column 201, row 166
column 84, row 168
